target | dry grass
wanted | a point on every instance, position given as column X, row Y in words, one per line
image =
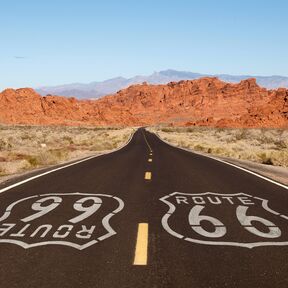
column 266, row 146
column 27, row 147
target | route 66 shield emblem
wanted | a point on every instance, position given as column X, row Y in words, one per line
column 224, row 219
column 78, row 220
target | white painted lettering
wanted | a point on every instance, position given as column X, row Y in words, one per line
column 198, row 200
column 246, row 201
column 46, row 228
column 6, row 228
column 85, row 233
column 181, row 199
column 229, row 199
column 67, row 229
column 20, row 233
column 216, row 200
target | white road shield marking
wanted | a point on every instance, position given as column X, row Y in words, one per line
column 77, row 220
column 224, row 219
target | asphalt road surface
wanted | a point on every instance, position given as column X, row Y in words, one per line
column 148, row 215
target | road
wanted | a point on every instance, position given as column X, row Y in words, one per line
column 136, row 218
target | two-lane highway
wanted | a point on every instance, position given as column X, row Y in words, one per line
column 148, row 215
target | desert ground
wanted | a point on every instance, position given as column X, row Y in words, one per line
column 265, row 146
column 24, row 148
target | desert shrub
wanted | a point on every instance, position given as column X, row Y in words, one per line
column 220, row 151
column 168, row 130
column 52, row 156
column 184, row 144
column 280, row 157
column 281, row 144
column 2, row 171
column 26, row 136
column 32, row 160
column 68, row 139
column 60, row 154
column 5, row 145
column 242, row 134
column 199, row 147
column 2, row 144
column 265, row 159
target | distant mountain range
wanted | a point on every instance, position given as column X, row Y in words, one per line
column 98, row 89
column 200, row 102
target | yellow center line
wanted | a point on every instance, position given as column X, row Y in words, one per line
column 150, row 160
column 148, row 175
column 150, row 149
column 141, row 251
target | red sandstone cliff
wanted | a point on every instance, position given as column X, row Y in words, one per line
column 207, row 101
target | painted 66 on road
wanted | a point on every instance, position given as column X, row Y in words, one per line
column 78, row 220
column 224, row 219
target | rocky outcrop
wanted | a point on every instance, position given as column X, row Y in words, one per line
column 207, row 101
column 25, row 106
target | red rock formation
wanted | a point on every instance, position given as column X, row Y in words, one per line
column 207, row 101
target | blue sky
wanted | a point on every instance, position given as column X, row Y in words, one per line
column 64, row 41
